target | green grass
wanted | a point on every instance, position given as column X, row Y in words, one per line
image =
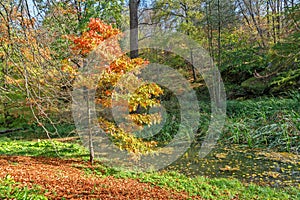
column 208, row 188
column 205, row 187
column 42, row 148
column 9, row 189
column 33, row 131
column 265, row 122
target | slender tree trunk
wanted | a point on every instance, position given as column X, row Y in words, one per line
column 219, row 34
column 89, row 126
column 273, row 22
column 246, row 17
column 279, row 9
column 5, row 104
column 219, row 55
column 78, row 10
column 208, row 24
column 268, row 17
column 210, row 30
column 285, row 3
column 186, row 15
column 193, row 68
column 257, row 26
column 133, row 9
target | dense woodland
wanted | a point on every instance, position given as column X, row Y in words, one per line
column 45, row 51
column 254, row 44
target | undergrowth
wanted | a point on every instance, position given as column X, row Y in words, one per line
column 9, row 189
column 46, row 148
column 207, row 188
column 265, row 122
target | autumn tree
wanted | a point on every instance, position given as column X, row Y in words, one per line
column 144, row 97
column 28, row 70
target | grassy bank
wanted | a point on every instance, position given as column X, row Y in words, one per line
column 205, row 187
column 272, row 123
column 9, row 189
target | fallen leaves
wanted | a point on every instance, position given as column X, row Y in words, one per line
column 228, row 168
column 221, row 155
column 281, row 156
column 275, row 169
column 61, row 179
column 272, row 174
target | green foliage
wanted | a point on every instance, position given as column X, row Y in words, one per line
column 13, row 111
column 34, row 131
column 9, row 189
column 255, row 86
column 108, row 11
column 207, row 188
column 60, row 130
column 239, row 58
column 41, row 148
column 266, row 122
column 282, row 71
column 169, row 59
column 216, row 188
column 286, row 58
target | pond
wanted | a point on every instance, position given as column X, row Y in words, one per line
column 258, row 166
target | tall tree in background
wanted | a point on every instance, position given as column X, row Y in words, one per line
column 219, row 32
column 134, row 25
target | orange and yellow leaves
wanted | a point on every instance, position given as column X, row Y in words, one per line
column 126, row 141
column 107, row 31
column 149, row 119
column 27, row 23
column 145, row 96
column 13, row 81
column 97, row 33
column 118, row 79
column 68, row 68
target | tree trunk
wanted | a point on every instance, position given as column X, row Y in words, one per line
column 273, row 22
column 193, row 68
column 219, row 34
column 208, row 27
column 133, row 9
column 257, row 26
column 217, row 89
column 278, row 18
column 91, row 146
column 268, row 18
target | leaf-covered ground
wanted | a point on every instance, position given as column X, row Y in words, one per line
column 64, row 179
column 260, row 166
column 31, row 170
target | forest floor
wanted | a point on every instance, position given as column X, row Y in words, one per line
column 60, row 179
column 46, row 169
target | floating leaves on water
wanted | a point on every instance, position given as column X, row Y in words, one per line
column 248, row 165
column 272, row 174
column 221, row 155
column 284, row 157
column 228, row 168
